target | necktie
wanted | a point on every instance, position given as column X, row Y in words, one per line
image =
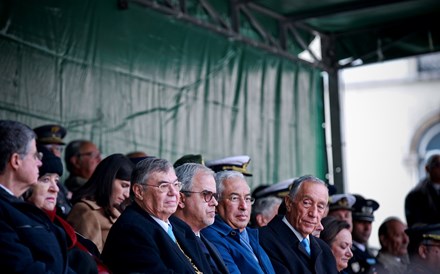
column 306, row 245
column 206, row 252
column 170, row 232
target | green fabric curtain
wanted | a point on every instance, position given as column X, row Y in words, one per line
column 136, row 79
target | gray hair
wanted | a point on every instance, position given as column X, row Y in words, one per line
column 143, row 170
column 264, row 206
column 298, row 182
column 186, row 172
column 15, row 137
column 222, row 176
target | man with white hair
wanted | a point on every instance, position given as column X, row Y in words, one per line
column 237, row 243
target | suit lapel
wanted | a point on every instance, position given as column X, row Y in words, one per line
column 215, row 255
column 189, row 245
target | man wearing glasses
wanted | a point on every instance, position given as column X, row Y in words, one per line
column 237, row 243
column 196, row 208
column 144, row 239
column 81, row 158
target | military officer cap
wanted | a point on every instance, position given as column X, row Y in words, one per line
column 50, row 134
column 424, row 231
column 236, row 163
column 280, row 189
column 189, row 158
column 341, row 201
column 422, row 234
column 363, row 209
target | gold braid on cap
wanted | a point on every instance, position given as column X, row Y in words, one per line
column 432, row 236
column 236, row 168
column 343, row 202
column 196, row 270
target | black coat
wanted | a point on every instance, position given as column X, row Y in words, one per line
column 288, row 255
column 136, row 243
column 29, row 241
column 422, row 204
column 213, row 252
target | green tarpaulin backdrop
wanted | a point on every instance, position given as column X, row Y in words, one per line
column 136, row 79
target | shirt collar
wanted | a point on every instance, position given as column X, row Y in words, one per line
column 7, row 190
column 297, row 234
column 163, row 224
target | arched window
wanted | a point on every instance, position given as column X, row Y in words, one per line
column 429, row 144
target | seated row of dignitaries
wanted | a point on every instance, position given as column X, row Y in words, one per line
column 237, row 243
column 29, row 241
column 146, row 238
column 288, row 239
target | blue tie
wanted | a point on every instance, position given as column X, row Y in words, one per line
column 170, row 232
column 306, row 245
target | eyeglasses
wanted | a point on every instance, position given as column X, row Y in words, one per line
column 165, row 186
column 207, row 195
column 38, row 156
column 55, row 147
column 235, row 199
column 437, row 245
column 93, row 154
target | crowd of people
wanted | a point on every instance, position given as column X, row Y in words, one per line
column 133, row 213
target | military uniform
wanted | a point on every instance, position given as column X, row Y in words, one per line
column 235, row 163
column 424, row 243
column 363, row 260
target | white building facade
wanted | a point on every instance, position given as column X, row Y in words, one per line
column 391, row 119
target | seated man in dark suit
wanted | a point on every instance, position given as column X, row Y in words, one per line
column 288, row 239
column 29, row 241
column 145, row 239
column 197, row 204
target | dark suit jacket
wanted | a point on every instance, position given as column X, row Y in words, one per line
column 422, row 204
column 213, row 252
column 138, row 244
column 29, row 241
column 288, row 255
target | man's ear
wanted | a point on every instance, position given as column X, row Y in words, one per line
column 260, row 220
column 383, row 240
column 182, row 199
column 423, row 251
column 138, row 191
column 15, row 161
column 288, row 203
column 75, row 161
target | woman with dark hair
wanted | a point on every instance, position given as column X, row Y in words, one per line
column 337, row 235
column 97, row 204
